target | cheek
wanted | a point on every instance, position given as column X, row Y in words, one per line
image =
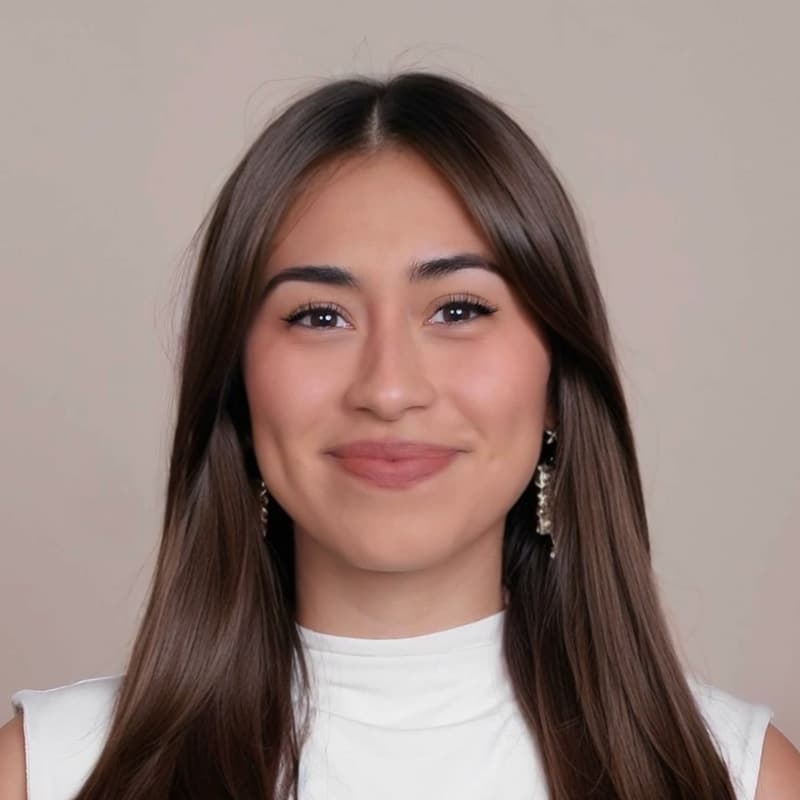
column 504, row 394
column 286, row 390
column 505, row 387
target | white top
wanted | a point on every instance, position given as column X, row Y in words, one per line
column 426, row 716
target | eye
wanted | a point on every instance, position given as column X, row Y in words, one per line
column 453, row 313
column 452, row 309
column 317, row 311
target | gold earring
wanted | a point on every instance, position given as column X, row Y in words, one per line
column 544, row 475
column 264, row 509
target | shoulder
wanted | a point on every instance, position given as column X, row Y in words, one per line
column 63, row 730
column 12, row 761
column 739, row 729
column 71, row 704
column 779, row 776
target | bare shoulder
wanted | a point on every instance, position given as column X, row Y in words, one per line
column 779, row 773
column 12, row 760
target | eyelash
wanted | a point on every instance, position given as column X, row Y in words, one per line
column 466, row 300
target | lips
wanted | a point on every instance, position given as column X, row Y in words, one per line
column 391, row 449
column 393, row 463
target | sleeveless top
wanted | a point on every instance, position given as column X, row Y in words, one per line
column 426, row 716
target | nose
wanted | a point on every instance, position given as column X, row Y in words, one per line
column 391, row 374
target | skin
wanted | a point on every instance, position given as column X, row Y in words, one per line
column 375, row 562
column 779, row 774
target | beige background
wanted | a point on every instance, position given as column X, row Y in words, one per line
column 675, row 127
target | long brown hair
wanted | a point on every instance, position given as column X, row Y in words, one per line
column 206, row 706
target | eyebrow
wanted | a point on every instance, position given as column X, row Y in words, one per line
column 333, row 275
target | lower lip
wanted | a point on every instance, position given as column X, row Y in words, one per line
column 398, row 474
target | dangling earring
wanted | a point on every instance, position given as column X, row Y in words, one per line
column 264, row 509
column 544, row 474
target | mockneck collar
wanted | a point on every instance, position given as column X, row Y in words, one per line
column 480, row 632
column 445, row 677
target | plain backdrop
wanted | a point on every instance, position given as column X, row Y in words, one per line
column 675, row 128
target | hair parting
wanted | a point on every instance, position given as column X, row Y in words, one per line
column 210, row 704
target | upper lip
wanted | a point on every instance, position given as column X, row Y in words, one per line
column 390, row 449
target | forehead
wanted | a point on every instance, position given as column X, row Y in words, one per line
column 391, row 204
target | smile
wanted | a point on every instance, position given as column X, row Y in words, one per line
column 395, row 474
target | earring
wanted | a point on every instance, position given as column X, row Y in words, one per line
column 544, row 474
column 264, row 509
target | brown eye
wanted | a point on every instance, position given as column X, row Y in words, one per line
column 457, row 309
column 315, row 311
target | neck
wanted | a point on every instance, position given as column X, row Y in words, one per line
column 334, row 596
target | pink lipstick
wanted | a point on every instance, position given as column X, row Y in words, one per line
column 393, row 463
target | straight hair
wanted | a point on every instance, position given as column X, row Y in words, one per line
column 214, row 700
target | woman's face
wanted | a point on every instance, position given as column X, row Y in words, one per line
column 392, row 359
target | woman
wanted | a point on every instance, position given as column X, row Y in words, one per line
column 405, row 551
